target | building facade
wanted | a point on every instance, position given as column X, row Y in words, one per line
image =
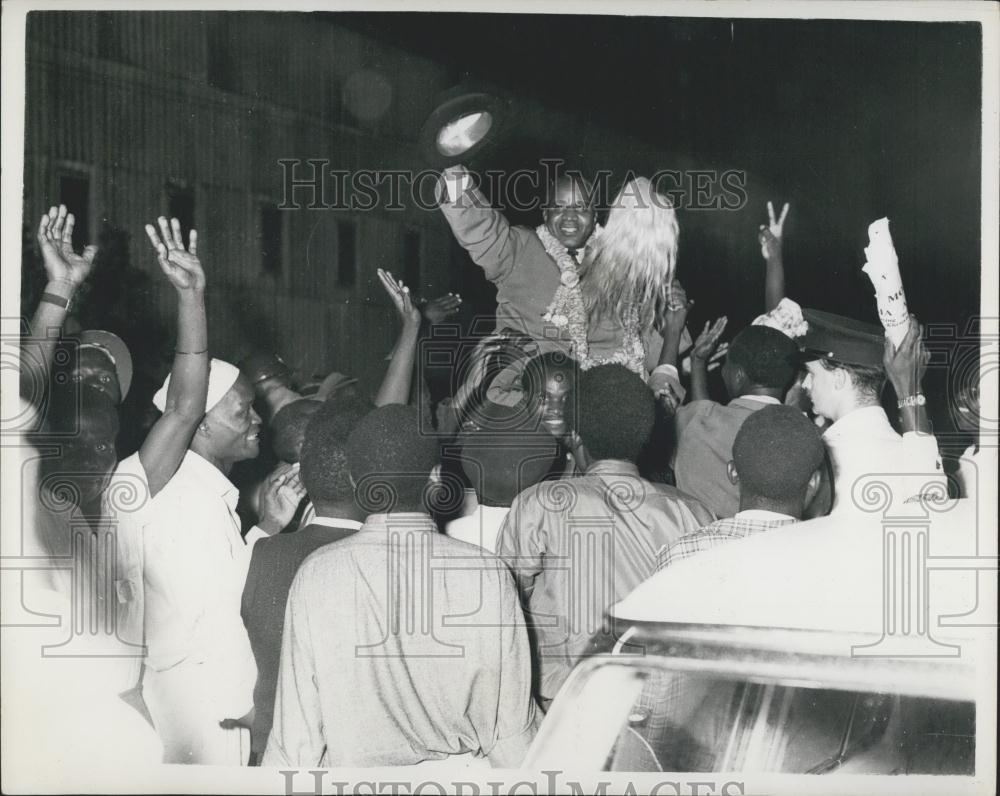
column 207, row 117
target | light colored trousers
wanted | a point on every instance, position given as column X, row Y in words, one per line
column 185, row 712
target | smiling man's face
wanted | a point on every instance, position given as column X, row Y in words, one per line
column 569, row 216
column 234, row 425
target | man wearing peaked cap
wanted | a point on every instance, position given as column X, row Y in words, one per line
column 842, row 339
column 104, row 363
column 847, row 364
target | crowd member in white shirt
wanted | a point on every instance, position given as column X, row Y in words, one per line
column 847, row 365
column 501, row 459
column 181, row 558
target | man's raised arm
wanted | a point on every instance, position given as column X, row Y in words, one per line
column 481, row 229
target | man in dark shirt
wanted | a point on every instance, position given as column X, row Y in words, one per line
column 276, row 559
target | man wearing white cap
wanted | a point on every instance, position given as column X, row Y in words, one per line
column 182, row 560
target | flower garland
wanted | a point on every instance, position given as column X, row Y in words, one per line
column 566, row 312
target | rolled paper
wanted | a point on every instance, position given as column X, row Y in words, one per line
column 882, row 268
column 786, row 318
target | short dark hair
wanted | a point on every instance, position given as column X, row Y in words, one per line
column 501, row 460
column 390, row 459
column 867, row 380
column 776, row 451
column 323, row 469
column 616, row 412
column 767, row 357
column 288, row 428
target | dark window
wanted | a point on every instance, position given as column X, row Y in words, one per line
column 221, row 66
column 180, row 205
column 346, row 253
column 74, row 192
column 271, row 238
column 412, row 240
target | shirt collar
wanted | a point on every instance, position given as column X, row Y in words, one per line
column 613, row 467
column 211, row 478
column 336, row 522
column 764, row 399
column 867, row 418
column 399, row 521
column 763, row 514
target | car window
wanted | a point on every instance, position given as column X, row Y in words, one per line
column 699, row 723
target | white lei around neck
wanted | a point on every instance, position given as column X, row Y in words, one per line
column 567, row 312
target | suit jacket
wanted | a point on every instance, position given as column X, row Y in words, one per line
column 272, row 569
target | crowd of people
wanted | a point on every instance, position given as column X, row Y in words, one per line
column 412, row 582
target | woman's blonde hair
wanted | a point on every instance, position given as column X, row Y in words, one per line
column 632, row 261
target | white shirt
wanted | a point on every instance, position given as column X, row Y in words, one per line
column 481, row 527
column 863, row 443
column 334, row 522
column 183, row 565
column 763, row 399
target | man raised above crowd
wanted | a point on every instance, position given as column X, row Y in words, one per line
column 596, row 295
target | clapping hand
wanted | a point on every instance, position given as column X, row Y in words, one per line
column 401, row 299
column 55, row 237
column 280, row 497
column 669, row 399
column 181, row 266
column 770, row 235
column 705, row 346
column 436, row 310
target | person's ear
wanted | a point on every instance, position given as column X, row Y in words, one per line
column 737, row 376
column 840, row 378
column 734, row 477
column 812, row 486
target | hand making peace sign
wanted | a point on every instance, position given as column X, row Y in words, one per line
column 770, row 235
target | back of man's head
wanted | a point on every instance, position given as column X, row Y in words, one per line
column 616, row 412
column 288, row 428
column 760, row 357
column 390, row 460
column 502, row 458
column 775, row 454
column 324, row 470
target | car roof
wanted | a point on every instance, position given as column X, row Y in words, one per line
column 826, row 574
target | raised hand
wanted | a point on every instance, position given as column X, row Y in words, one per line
column 714, row 361
column 401, row 299
column 436, row 310
column 675, row 314
column 770, row 235
column 182, row 266
column 905, row 366
column 708, row 340
column 55, row 238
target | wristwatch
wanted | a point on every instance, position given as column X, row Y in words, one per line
column 912, row 400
